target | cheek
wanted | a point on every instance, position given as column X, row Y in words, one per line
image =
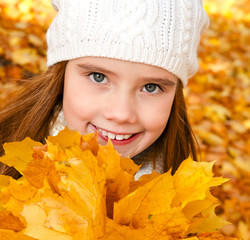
column 71, row 110
column 159, row 121
column 156, row 119
column 77, row 104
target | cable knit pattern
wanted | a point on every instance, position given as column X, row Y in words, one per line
column 122, row 17
column 163, row 33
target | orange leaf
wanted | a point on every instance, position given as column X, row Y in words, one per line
column 7, row 235
column 10, row 222
column 15, row 154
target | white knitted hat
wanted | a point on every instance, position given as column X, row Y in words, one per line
column 163, row 33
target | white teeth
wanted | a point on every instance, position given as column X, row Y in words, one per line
column 119, row 137
column 104, row 133
column 127, row 136
column 113, row 136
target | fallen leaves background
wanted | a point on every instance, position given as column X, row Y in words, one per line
column 218, row 97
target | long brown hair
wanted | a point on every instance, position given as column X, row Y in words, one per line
column 32, row 111
column 177, row 141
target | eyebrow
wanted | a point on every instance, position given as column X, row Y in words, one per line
column 161, row 81
column 94, row 68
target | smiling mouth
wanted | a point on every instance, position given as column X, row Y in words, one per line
column 113, row 136
column 116, row 138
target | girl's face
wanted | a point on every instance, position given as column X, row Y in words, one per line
column 127, row 102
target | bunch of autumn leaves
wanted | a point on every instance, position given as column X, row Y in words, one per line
column 73, row 188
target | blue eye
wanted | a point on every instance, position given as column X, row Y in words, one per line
column 97, row 77
column 151, row 88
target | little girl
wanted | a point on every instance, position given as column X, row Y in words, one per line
column 116, row 67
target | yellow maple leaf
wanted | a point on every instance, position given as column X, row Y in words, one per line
column 142, row 202
column 66, row 138
column 18, row 154
column 7, row 235
column 11, row 222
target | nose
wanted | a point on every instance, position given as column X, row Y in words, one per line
column 121, row 108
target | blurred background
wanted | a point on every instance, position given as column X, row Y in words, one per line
column 218, row 97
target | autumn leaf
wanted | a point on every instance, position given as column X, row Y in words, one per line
column 15, row 154
column 4, row 180
column 119, row 173
column 7, row 235
column 142, row 202
column 186, row 194
column 10, row 221
column 67, row 138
